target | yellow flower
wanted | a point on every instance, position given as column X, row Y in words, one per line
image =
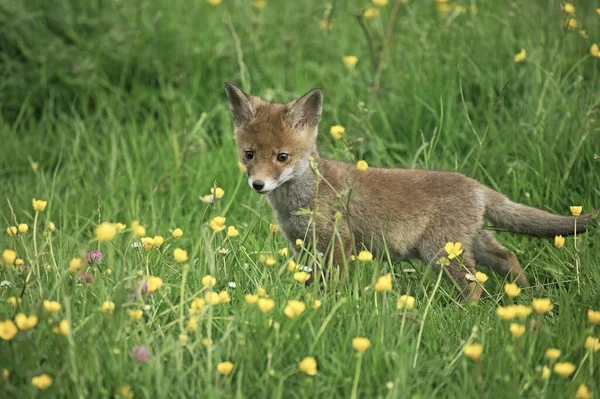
column 564, row 369
column 75, row 265
column 26, row 323
column 361, row 344
column 316, row 304
column 261, row 292
column 569, row 8
column 19, row 262
column 473, row 351
column 225, row 368
column 108, row 307
column 273, row 227
column 370, row 13
column 139, row 231
column 572, row 24
column 593, row 316
column 520, row 57
column 177, row 233
column 583, row 34
column 259, row 4
column 125, row 392
column 365, row 256
column 106, row 231
column 512, row 290
column 180, row 255
column 349, row 62
column 52, row 306
column 301, row 277
column 592, row 344
column 541, row 305
column 212, row 298
column 453, row 249
column 214, row 2
column 481, row 277
column 406, row 302
column 14, row 301
column 63, row 328
column 157, row 241
column 217, row 223
column 294, row 308
column 42, row 381
column 208, row 281
column 5, row 374
column 11, row 231
column 576, row 210
column 232, row 232
column 39, row 205
column 283, row 252
column 207, row 341
column 552, row 354
column 197, row 305
column 362, row 166
column 337, row 131
column 559, row 241
column 583, row 392
column 517, row 330
column 545, row 373
column 154, row 283
column 51, row 226
column 218, row 192
column 506, row 313
column 192, row 323
column 523, row 311
column 270, row 261
column 595, row 50
column 384, row 283
column 147, row 242
column 251, row 299
column 7, row 330
column 135, row 315
column 325, row 25
column 266, row 305
column 380, row 3
column 224, row 297
column 308, row 365
column 299, row 242
column 9, row 256
column 23, row 228
column 120, row 226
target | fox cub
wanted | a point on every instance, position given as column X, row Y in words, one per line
column 412, row 212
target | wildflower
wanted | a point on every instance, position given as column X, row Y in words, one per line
column 294, row 308
column 154, row 283
column 362, row 166
column 14, row 301
column 517, row 330
column 592, row 344
column 572, row 24
column 11, row 231
column 564, row 369
column 23, row 228
column 370, row 13
column 39, row 205
column 522, row 311
column 177, row 233
column 308, row 366
column 512, row 290
column 299, row 242
column 593, row 316
column 232, row 232
column 192, row 323
column 224, row 297
column 180, row 255
column 157, row 241
column 259, row 4
column 26, row 323
column 598, row 11
column 223, row 251
column 51, row 226
column 106, row 231
column 443, row 261
column 41, row 381
column 5, row 284
column 75, row 265
column 108, row 307
column 270, row 261
column 316, row 304
column 261, row 292
column 207, row 341
column 406, row 302
column 552, row 354
column 325, row 25
column 583, row 392
column 214, row 2
column 7, row 330
column 63, row 328
column 481, row 277
column 225, row 368
column 283, row 252
column 453, row 249
column 9, row 256
column 274, row 227
column 5, row 374
column 231, row 284
column 217, row 192
column 197, row 305
column 266, row 305
column 94, row 256
column 337, row 131
column 365, row 256
column 208, row 281
column 139, row 353
column 349, row 62
column 545, row 373
column 85, row 278
column 139, row 230
column 380, row 3
column 212, row 298
column 595, row 50
column 292, row 266
column 384, row 283
column 473, row 351
column 217, row 223
column 361, row 344
column 559, row 241
column 569, row 8
column 251, row 299
column 506, row 313
column 19, row 262
column 520, row 56
column 301, row 277
column 135, row 315
column 125, row 392
column 541, row 305
column 576, row 210
column 120, row 227
column 51, row 306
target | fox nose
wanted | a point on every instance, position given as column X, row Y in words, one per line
column 258, row 185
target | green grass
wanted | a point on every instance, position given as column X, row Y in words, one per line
column 121, row 106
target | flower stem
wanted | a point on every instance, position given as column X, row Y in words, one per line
column 437, row 284
column 576, row 257
column 356, row 377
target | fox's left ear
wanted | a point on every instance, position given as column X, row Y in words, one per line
column 239, row 104
column 306, row 111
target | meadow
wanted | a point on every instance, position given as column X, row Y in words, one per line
column 137, row 262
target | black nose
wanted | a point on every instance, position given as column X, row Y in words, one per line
column 258, row 185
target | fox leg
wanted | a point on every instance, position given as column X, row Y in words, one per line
column 491, row 253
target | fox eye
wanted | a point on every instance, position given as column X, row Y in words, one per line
column 282, row 157
column 249, row 154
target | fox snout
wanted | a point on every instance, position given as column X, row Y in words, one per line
column 262, row 185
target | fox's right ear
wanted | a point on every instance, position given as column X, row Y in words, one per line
column 239, row 104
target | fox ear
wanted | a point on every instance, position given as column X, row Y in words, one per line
column 239, row 104
column 306, row 111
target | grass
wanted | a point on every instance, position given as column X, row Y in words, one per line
column 115, row 111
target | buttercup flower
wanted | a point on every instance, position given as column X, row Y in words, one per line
column 517, row 330
column 583, row 392
column 593, row 316
column 135, row 315
column 259, row 4
column 217, row 223
column 292, row 266
column 197, row 305
column 481, row 277
column 552, row 354
column 545, row 373
column 406, row 302
column 208, row 281
column 595, row 50
column 180, row 255
column 214, row 2
column 384, row 283
column 592, row 344
column 266, row 305
column 39, row 205
column 361, row 344
column 177, row 233
column 569, row 8
column 125, row 392
column 26, row 323
column 362, row 166
column 520, row 57
column 308, row 366
column 274, row 227
column 192, row 324
column 232, row 232
column 365, row 256
column 106, row 231
column 512, row 290
column 294, row 308
column 261, row 292
column 299, row 242
column 506, row 313
column 120, row 227
column 572, row 24
column 523, row 311
column 218, row 192
column 225, row 368
column 541, row 305
column 316, row 304
column 453, row 249
column 108, row 307
column 75, row 265
column 42, row 381
column 63, row 328
column 7, row 330
column 51, row 306
column 251, row 299
column 350, row 62
column 9, row 256
column 139, row 353
column 380, row 3
column 23, row 228
column 212, row 298
column 301, row 277
column 370, row 13
column 559, row 241
column 283, row 252
column 576, row 210
column 154, row 283
column 473, row 351
column 337, row 131
column 12, row 231
column 19, row 262
column 564, row 369
column 224, row 297
column 14, row 301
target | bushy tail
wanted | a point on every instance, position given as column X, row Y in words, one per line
column 524, row 219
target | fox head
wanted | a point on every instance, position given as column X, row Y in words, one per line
column 274, row 141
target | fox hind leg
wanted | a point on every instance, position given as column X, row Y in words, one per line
column 491, row 253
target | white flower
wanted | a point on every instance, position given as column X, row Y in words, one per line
column 136, row 244
column 232, row 284
column 305, row 269
column 470, row 277
column 223, row 251
column 5, row 283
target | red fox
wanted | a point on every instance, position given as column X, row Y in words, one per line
column 413, row 213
